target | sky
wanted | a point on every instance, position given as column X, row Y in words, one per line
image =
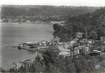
column 94, row 3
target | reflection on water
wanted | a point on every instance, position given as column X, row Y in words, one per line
column 13, row 34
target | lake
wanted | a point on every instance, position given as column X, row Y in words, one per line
column 15, row 33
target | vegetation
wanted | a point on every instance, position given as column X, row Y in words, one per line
column 92, row 24
column 37, row 10
column 83, row 64
column 44, row 13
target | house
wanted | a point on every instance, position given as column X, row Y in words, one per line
column 82, row 49
column 83, row 40
column 91, row 41
column 60, row 46
column 72, row 42
column 64, row 54
column 95, row 53
column 102, row 38
column 43, row 43
column 85, row 50
column 87, row 42
column 76, row 51
column 28, row 21
column 66, row 45
column 63, row 51
column 58, row 22
column 79, row 35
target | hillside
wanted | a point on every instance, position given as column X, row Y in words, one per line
column 37, row 10
column 91, row 23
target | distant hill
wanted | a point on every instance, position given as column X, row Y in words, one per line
column 37, row 10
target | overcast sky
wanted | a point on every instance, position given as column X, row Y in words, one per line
column 55, row 2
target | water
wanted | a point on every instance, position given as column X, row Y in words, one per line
column 14, row 33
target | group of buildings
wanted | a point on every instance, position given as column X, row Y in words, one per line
column 77, row 46
column 30, row 19
column 84, row 46
column 74, row 48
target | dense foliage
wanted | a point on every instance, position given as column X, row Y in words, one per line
column 92, row 24
column 37, row 10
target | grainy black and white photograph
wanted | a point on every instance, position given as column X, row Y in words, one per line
column 52, row 36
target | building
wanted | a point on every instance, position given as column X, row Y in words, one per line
column 83, row 50
column 79, row 35
column 102, row 39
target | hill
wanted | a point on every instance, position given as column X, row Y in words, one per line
column 91, row 23
column 37, row 10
